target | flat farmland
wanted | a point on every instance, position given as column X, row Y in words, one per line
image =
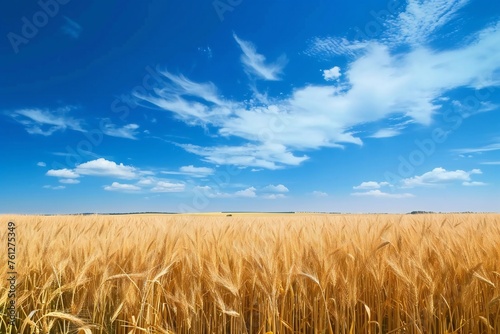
column 254, row 273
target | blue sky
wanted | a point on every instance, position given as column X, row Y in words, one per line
column 238, row 105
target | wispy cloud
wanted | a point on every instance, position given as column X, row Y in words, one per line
column 474, row 184
column 335, row 46
column 41, row 164
column 249, row 192
column 255, row 63
column 415, row 26
column 379, row 82
column 168, row 187
column 198, row 171
column 160, row 185
column 421, row 19
column 71, row 28
column 319, row 194
column 273, row 196
column 122, row 187
column 192, row 171
column 69, row 181
column 128, row 131
column 385, row 133
column 371, row 185
column 54, row 187
column 182, row 96
column 439, row 176
column 211, row 192
column 45, row 122
column 276, row 188
column 269, row 157
column 481, row 149
column 381, row 194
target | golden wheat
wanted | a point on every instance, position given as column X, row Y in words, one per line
column 292, row 273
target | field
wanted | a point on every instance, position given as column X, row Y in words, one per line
column 294, row 273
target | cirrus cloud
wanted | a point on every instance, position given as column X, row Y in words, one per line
column 380, row 194
column 45, row 122
column 255, row 63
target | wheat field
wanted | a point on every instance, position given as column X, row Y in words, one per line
column 295, row 273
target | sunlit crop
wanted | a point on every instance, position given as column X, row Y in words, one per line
column 295, row 273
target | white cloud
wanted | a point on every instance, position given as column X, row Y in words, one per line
column 439, row 176
column 414, row 81
column 371, row 185
column 332, row 74
column 386, row 133
column 71, row 28
column 474, row 183
column 211, row 193
column 381, row 81
column 168, row 187
column 482, row 149
column 196, row 170
column 177, row 96
column 63, row 173
column 335, row 46
column 249, row 192
column 273, row 196
column 255, row 63
column 490, row 163
column 103, row 167
column 54, row 188
column 467, row 111
column 146, row 182
column 278, row 188
column 319, row 194
column 192, row 171
column 46, row 122
column 128, row 131
column 41, row 164
column 264, row 156
column 416, row 25
column 378, row 193
column 115, row 186
column 69, row 181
